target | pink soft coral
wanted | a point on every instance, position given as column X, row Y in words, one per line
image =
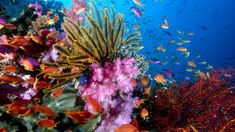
column 111, row 86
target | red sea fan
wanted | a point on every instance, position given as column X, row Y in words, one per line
column 208, row 105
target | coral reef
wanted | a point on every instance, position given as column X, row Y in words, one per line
column 95, row 42
column 207, row 105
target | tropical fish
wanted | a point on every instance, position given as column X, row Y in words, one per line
column 11, row 79
column 182, row 49
column 171, row 41
column 168, row 73
column 10, row 68
column 144, row 113
column 190, row 33
column 43, row 109
column 79, row 117
column 136, row 11
column 155, row 61
column 160, row 79
column 136, row 27
column 46, row 123
column 191, row 63
column 147, row 90
column 177, row 63
column 138, row 2
column 139, row 102
column 17, row 103
column 29, row 63
column 7, row 26
column 203, row 62
column 189, row 70
column 160, row 48
column 18, row 110
column 144, row 80
column 180, row 32
column 57, row 93
column 186, row 41
column 165, row 24
column 187, row 54
column 96, row 106
column 126, row 128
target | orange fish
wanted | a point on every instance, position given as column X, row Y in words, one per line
column 49, row 70
column 43, row 109
column 139, row 102
column 17, row 103
column 51, row 35
column 136, row 27
column 11, row 79
column 191, row 63
column 126, row 128
column 182, row 49
column 46, row 123
column 63, row 10
column 160, row 48
column 134, row 82
column 165, row 24
column 80, row 116
column 28, row 65
column 74, row 70
column 144, row 113
column 10, row 68
column 57, row 93
column 160, row 79
column 7, row 26
column 144, row 80
column 18, row 110
column 96, row 106
column 147, row 90
column 41, row 84
column 37, row 39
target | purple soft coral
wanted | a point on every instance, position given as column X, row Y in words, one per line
column 111, row 86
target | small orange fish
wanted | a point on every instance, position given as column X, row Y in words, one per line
column 160, row 48
column 165, row 24
column 144, row 80
column 160, row 79
column 46, row 123
column 126, row 128
column 17, row 103
column 136, row 27
column 96, row 106
column 191, row 63
column 202, row 75
column 37, row 39
column 41, row 84
column 18, row 110
column 57, row 93
column 49, row 70
column 147, row 90
column 80, row 116
column 7, row 26
column 27, row 64
column 139, row 102
column 11, row 79
column 144, row 113
column 51, row 35
column 43, row 109
column 182, row 49
column 10, row 68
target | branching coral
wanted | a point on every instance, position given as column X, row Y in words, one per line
column 208, row 105
column 96, row 42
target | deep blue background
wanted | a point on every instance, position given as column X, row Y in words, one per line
column 215, row 44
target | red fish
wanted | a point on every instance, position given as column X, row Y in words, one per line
column 10, row 68
column 57, row 93
column 18, row 103
column 126, row 128
column 46, row 123
column 18, row 110
column 144, row 113
column 11, row 79
column 44, row 109
column 80, row 116
column 96, row 106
